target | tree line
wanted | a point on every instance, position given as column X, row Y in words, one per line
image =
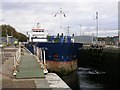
column 11, row 31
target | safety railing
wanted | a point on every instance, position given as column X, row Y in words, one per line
column 40, row 55
column 16, row 60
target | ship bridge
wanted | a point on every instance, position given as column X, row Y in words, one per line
column 37, row 35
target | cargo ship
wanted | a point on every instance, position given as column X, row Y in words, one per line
column 60, row 52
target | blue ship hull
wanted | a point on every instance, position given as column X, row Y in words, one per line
column 59, row 56
column 64, row 51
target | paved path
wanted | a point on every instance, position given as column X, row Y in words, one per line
column 9, row 81
column 29, row 67
column 29, row 75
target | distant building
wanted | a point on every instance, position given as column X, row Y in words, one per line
column 11, row 40
column 116, row 40
column 85, row 39
column 3, row 39
column 108, row 40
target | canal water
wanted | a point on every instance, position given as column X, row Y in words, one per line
column 88, row 78
column 97, row 70
column 85, row 78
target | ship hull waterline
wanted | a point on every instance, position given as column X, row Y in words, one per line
column 62, row 68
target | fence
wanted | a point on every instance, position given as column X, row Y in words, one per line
column 40, row 56
column 17, row 58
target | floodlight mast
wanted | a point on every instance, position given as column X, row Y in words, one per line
column 96, row 27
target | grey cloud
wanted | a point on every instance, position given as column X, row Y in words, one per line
column 29, row 13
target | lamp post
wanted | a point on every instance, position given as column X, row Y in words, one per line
column 119, row 25
column 96, row 27
column 0, row 35
column 118, row 37
column 7, row 36
column 80, row 29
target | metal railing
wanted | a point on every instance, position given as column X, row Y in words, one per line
column 16, row 60
column 40, row 55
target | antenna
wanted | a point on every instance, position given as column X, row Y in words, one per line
column 38, row 25
column 68, row 30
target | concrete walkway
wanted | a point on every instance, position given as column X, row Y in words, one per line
column 29, row 67
column 30, row 75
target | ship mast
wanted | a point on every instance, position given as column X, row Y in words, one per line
column 38, row 25
column 68, row 30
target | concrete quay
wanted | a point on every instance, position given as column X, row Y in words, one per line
column 27, row 77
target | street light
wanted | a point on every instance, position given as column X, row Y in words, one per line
column 80, row 29
column 7, row 36
column 96, row 27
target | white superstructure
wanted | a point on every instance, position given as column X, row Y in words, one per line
column 37, row 35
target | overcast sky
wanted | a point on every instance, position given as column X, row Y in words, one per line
column 23, row 16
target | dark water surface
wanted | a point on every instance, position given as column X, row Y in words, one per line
column 89, row 78
column 98, row 69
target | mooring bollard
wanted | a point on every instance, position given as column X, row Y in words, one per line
column 15, row 71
